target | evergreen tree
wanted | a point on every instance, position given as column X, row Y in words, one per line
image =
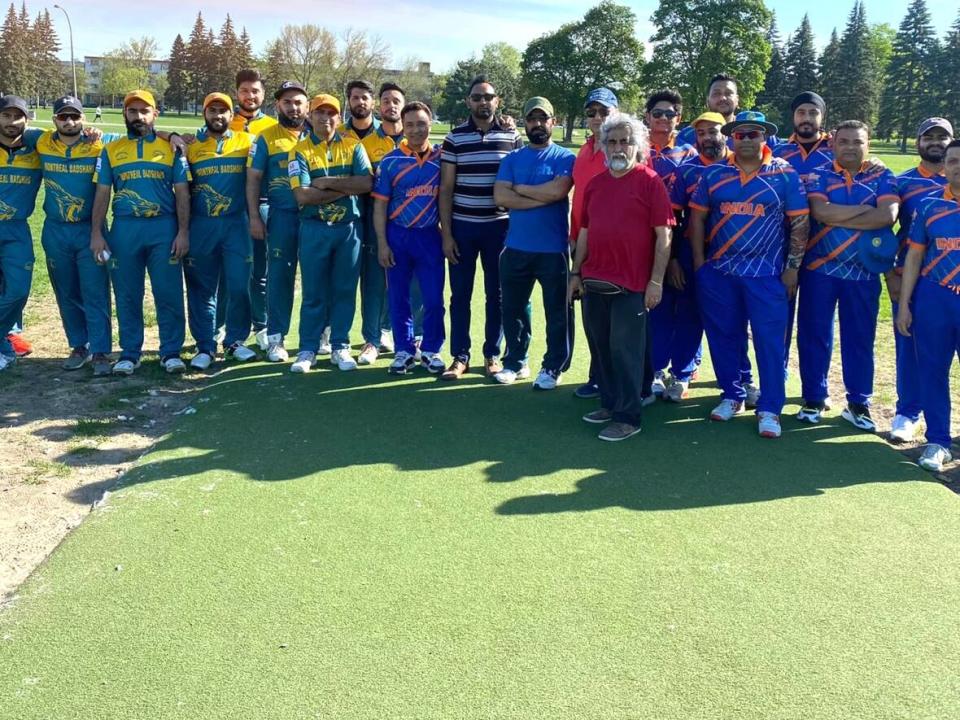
column 947, row 82
column 801, row 61
column 15, row 54
column 772, row 99
column 47, row 70
column 178, row 75
column 907, row 96
column 201, row 58
column 247, row 58
column 857, row 96
column 831, row 75
column 228, row 57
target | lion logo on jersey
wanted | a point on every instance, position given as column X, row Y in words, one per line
column 138, row 206
column 7, row 212
column 216, row 203
column 70, row 206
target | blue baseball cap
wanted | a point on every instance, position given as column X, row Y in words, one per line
column 67, row 102
column 750, row 117
column 877, row 250
column 604, row 96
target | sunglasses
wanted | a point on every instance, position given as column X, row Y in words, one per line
column 594, row 113
column 747, row 134
column 485, row 97
column 68, row 116
column 669, row 114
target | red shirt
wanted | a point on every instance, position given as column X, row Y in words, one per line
column 621, row 214
column 587, row 166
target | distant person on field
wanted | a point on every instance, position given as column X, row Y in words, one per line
column 98, row 114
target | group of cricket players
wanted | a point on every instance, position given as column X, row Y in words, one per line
column 768, row 233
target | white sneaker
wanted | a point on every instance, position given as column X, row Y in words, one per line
column 386, row 341
column 648, row 400
column 125, row 367
column 677, row 390
column 304, row 363
column 173, row 365
column 547, row 379
column 903, row 429
column 726, row 410
column 508, row 377
column 263, row 340
column 934, row 457
column 659, row 386
column 768, row 425
column 342, row 359
column 368, row 354
column 6, row 361
column 220, row 335
column 753, row 395
column 433, row 362
column 276, row 352
column 402, row 364
column 240, row 352
column 417, row 339
column 325, row 347
column 201, row 361
column 810, row 414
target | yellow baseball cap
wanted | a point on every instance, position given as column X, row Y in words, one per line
column 215, row 97
column 324, row 99
column 142, row 95
column 711, row 117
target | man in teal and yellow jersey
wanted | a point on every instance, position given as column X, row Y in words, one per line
column 220, row 234
column 19, row 183
column 80, row 283
column 378, row 140
column 150, row 231
column 327, row 173
column 267, row 175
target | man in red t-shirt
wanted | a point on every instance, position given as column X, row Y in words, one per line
column 622, row 252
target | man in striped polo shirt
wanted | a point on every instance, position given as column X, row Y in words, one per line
column 471, row 223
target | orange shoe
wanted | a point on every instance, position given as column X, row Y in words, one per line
column 21, row 346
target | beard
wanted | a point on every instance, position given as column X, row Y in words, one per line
column 712, row 151
column 138, row 127
column 619, row 162
column 806, row 131
column 72, row 132
column 217, row 126
column 932, row 153
column 13, row 131
column 483, row 113
column 251, row 106
column 538, row 136
column 289, row 123
column 360, row 113
column 390, row 115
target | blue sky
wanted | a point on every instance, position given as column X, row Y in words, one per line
column 439, row 33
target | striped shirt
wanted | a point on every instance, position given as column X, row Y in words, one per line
column 477, row 155
column 806, row 161
column 936, row 230
column 914, row 186
column 409, row 183
column 665, row 160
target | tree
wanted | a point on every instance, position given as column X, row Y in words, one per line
column 801, row 61
column 906, row 95
column 695, row 39
column 15, row 51
column 46, row 66
column 229, row 57
column 178, row 75
column 201, row 61
column 858, row 94
column 246, row 57
column 500, row 62
column 948, row 73
column 773, row 99
column 600, row 50
column 128, row 67
column 832, row 83
column 452, row 107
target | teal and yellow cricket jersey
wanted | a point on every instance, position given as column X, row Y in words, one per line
column 219, row 170
column 270, row 154
column 142, row 171
column 376, row 142
column 313, row 158
column 20, row 177
column 254, row 125
column 68, row 177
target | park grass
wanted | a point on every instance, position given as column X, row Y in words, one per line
column 356, row 545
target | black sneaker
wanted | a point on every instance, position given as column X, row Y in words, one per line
column 587, row 391
column 859, row 416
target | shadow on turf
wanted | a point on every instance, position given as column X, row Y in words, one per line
column 269, row 425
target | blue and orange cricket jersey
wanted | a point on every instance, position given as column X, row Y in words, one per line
column 270, row 154
column 219, row 170
column 410, row 185
column 747, row 229
column 684, row 183
column 804, row 161
column 312, row 158
column 20, row 177
column 142, row 171
column 914, row 186
column 665, row 160
column 832, row 249
column 936, row 229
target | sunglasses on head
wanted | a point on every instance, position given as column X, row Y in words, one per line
column 477, row 97
column 747, row 134
column 594, row 112
column 669, row 114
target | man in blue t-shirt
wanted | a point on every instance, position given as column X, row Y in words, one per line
column 533, row 184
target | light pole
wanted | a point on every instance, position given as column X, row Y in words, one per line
column 73, row 64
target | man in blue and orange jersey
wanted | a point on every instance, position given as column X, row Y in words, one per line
column 848, row 200
column 81, row 285
column 591, row 161
column 378, row 139
column 663, row 111
column 328, row 172
column 925, row 180
column 150, row 231
column 809, row 146
column 407, row 223
column 220, row 234
column 745, row 205
column 19, row 183
column 723, row 96
column 930, row 281
column 268, row 175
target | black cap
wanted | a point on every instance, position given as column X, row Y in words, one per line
column 811, row 98
column 67, row 102
column 12, row 102
column 289, row 85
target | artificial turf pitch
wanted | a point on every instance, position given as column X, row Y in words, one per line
column 354, row 545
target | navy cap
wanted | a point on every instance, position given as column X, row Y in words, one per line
column 935, row 122
column 13, row 102
column 604, row 96
column 67, row 102
column 289, row 85
column 877, row 250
